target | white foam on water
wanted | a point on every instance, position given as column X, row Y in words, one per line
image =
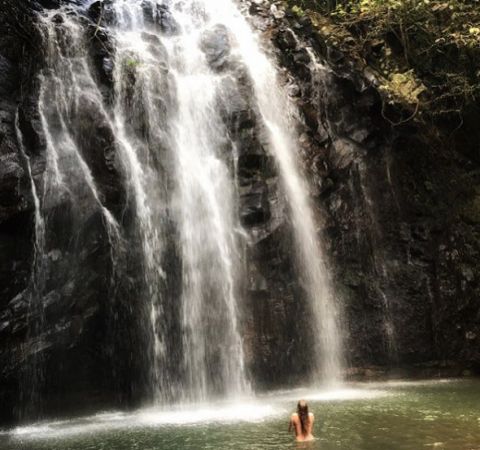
column 407, row 383
column 228, row 413
column 240, row 412
column 265, row 407
column 364, row 392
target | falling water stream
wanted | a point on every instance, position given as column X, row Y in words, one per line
column 66, row 87
column 34, row 373
column 204, row 194
column 176, row 92
column 178, row 162
column 278, row 114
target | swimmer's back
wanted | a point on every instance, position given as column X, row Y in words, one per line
column 297, row 425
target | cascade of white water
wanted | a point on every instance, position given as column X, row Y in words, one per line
column 183, row 116
column 138, row 76
column 179, row 165
column 277, row 113
column 164, row 78
column 321, row 73
column 65, row 84
column 39, row 246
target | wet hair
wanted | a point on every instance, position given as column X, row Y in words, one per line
column 302, row 411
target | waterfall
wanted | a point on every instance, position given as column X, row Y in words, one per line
column 174, row 100
column 365, row 201
column 278, row 114
column 172, row 65
column 64, row 84
column 66, row 87
column 185, row 118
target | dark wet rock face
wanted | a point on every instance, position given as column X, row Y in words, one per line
column 15, row 210
column 160, row 17
column 67, row 361
column 96, row 141
column 102, row 56
column 399, row 204
column 101, row 13
column 165, row 20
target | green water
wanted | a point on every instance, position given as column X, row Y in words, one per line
column 380, row 416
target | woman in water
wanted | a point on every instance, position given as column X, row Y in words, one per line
column 302, row 422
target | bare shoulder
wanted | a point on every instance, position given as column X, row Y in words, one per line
column 311, row 415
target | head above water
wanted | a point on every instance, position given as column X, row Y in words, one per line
column 302, row 406
column 302, row 411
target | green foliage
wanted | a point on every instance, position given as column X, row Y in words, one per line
column 404, row 87
column 424, row 49
column 298, row 10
